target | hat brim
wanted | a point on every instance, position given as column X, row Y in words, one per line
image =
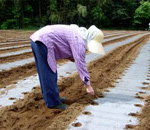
column 95, row 47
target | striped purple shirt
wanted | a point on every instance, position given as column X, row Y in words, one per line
column 64, row 42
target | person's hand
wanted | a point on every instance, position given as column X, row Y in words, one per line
column 89, row 89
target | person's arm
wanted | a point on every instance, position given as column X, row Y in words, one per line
column 78, row 51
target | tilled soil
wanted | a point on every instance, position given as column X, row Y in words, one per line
column 31, row 112
column 144, row 115
column 120, row 39
column 15, row 44
column 14, row 49
column 29, row 54
column 17, row 36
column 22, row 56
column 115, row 35
column 25, row 55
column 14, row 35
column 12, row 76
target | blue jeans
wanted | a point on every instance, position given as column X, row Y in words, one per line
column 48, row 79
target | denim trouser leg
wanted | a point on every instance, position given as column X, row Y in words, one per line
column 48, row 79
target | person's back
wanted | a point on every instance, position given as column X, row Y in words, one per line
column 58, row 38
column 53, row 42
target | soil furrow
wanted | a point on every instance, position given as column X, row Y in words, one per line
column 29, row 55
column 31, row 113
column 108, row 42
column 11, row 76
column 15, row 44
column 144, row 116
column 119, row 35
column 14, row 41
column 13, row 49
column 17, row 36
column 13, row 58
column 21, row 42
column 119, row 39
column 113, row 36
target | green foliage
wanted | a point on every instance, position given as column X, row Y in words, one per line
column 54, row 15
column 29, row 8
column 53, row 5
column 26, row 21
column 2, row 2
column 16, row 14
column 55, row 18
column 119, row 14
column 10, row 23
column 82, row 11
column 98, row 16
column 142, row 15
column 102, row 2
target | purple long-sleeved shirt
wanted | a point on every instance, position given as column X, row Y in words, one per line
column 64, row 41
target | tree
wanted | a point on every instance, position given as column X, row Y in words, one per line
column 54, row 15
column 37, row 13
column 98, row 16
column 2, row 10
column 18, row 12
column 142, row 15
column 6, row 15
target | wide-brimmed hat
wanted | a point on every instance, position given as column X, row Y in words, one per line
column 95, row 44
column 93, row 37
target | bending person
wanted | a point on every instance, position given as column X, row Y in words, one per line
column 54, row 42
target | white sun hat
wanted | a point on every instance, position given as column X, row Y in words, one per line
column 94, row 39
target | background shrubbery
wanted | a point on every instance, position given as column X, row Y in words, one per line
column 111, row 14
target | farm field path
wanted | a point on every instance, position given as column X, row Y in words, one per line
column 118, row 108
column 16, row 90
column 31, row 113
column 24, row 67
column 24, row 57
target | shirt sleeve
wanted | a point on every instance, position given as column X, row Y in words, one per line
column 78, row 51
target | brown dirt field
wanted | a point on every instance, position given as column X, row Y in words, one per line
column 21, row 42
column 123, row 33
column 14, row 49
column 29, row 54
column 20, row 56
column 144, row 115
column 114, row 35
column 16, row 57
column 12, row 76
column 14, row 35
column 119, row 39
column 15, row 44
column 31, row 112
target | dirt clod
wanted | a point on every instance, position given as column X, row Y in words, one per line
column 78, row 124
